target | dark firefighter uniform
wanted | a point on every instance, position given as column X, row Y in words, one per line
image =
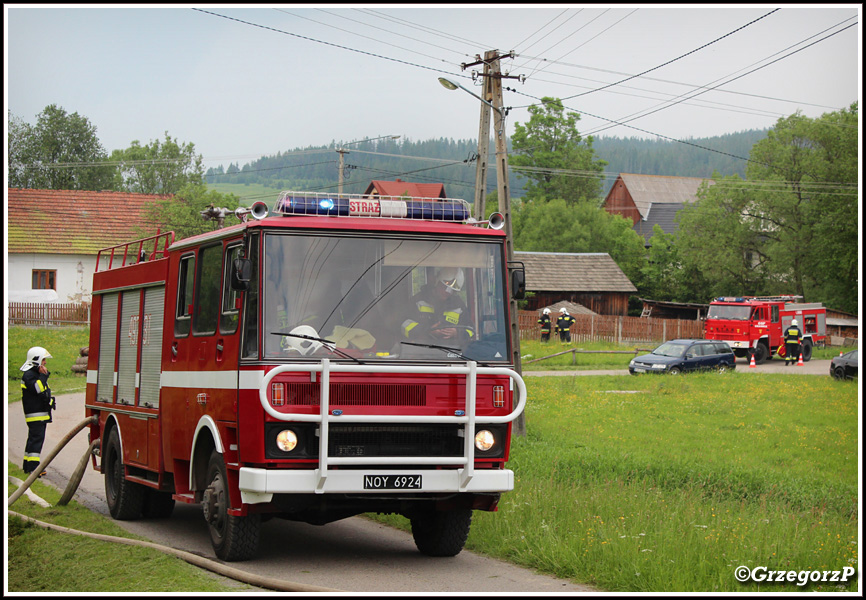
column 546, row 325
column 38, row 403
column 563, row 327
column 792, row 343
column 432, row 311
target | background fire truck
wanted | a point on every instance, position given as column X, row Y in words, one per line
column 755, row 325
column 264, row 370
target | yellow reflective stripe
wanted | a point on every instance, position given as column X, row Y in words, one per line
column 452, row 316
column 32, row 458
column 33, row 419
column 40, row 387
column 425, row 308
column 408, row 325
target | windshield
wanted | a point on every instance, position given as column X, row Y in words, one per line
column 738, row 312
column 383, row 299
column 670, row 349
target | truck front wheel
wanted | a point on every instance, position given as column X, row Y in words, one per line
column 441, row 533
column 807, row 350
column 233, row 537
column 762, row 353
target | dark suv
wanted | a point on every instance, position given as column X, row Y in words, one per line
column 681, row 356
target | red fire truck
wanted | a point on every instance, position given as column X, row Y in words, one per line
column 265, row 369
column 754, row 325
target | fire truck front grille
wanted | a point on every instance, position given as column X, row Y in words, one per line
column 395, row 440
column 357, row 394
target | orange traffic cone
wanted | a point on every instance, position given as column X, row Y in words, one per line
column 800, row 362
column 752, row 364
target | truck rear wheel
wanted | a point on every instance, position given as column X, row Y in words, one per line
column 441, row 533
column 233, row 537
column 125, row 499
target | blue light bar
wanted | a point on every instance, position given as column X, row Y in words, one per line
column 393, row 207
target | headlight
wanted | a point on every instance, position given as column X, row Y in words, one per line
column 631, row 363
column 287, row 440
column 484, row 440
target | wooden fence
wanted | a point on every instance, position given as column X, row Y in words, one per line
column 620, row 330
column 49, row 315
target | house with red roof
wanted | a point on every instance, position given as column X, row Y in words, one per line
column 53, row 237
column 399, row 187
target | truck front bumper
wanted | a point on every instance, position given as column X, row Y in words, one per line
column 259, row 485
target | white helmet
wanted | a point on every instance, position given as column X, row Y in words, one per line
column 452, row 278
column 794, row 322
column 563, row 310
column 305, row 345
column 546, row 311
column 35, row 356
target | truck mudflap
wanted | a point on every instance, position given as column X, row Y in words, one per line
column 371, row 474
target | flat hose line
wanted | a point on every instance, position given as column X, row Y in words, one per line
column 199, row 561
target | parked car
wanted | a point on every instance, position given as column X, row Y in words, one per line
column 844, row 366
column 681, row 356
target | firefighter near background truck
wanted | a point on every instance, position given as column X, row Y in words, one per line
column 263, row 370
column 755, row 326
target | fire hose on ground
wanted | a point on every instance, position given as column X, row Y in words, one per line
column 193, row 559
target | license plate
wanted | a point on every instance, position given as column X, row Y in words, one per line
column 639, row 370
column 392, row 482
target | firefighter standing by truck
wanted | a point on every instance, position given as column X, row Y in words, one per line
column 793, row 337
column 37, row 401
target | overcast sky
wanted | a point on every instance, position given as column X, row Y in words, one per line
column 243, row 82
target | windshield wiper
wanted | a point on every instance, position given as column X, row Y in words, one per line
column 330, row 345
column 454, row 351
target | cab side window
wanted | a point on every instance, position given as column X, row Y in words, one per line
column 231, row 297
column 207, row 298
column 185, row 280
column 775, row 314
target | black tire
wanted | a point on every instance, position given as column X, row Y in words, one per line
column 723, row 367
column 125, row 499
column 442, row 533
column 740, row 353
column 234, row 538
column 762, row 353
column 807, row 350
column 675, row 371
column 157, row 505
column 839, row 373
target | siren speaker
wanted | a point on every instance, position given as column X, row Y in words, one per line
column 497, row 221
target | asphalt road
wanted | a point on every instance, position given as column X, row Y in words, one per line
column 353, row 555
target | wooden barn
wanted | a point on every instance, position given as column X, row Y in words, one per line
column 592, row 279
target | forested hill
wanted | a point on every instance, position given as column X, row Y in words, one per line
column 452, row 163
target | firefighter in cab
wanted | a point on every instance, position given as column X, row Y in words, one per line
column 563, row 325
column 793, row 337
column 438, row 311
column 544, row 321
column 37, row 401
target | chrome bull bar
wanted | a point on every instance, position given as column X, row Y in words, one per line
column 469, row 419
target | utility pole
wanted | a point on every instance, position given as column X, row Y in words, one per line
column 493, row 93
column 342, row 152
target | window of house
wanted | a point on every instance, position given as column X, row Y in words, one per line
column 44, row 280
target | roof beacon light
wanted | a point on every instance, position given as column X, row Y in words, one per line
column 390, row 207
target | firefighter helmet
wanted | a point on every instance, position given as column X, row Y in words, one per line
column 35, row 356
column 304, row 339
column 794, row 322
column 546, row 311
column 452, row 278
column 563, row 310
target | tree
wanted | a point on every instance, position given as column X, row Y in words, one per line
column 792, row 226
column 557, row 226
column 182, row 212
column 158, row 168
column 559, row 162
column 60, row 152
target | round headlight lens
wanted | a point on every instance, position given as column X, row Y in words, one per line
column 484, row 440
column 287, row 440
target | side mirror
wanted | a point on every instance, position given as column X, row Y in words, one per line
column 518, row 283
column 242, row 273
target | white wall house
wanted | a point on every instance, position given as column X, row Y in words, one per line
column 54, row 236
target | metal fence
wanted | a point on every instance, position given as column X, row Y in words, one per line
column 49, row 315
column 619, row 330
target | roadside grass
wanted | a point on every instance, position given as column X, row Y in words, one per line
column 669, row 484
column 43, row 560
